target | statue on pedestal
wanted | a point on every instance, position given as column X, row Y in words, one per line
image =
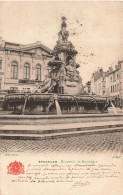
column 71, row 72
column 63, row 34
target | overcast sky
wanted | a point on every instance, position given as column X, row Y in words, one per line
column 96, row 29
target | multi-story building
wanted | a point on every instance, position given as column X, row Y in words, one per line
column 121, row 80
column 116, row 83
column 99, row 82
column 22, row 66
column 109, row 83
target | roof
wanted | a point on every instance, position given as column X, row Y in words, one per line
column 34, row 45
column 26, row 47
column 114, row 70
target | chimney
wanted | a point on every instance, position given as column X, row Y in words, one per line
column 101, row 70
column 110, row 69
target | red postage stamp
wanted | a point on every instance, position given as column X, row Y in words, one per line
column 15, row 168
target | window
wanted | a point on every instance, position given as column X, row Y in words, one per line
column 0, row 64
column 120, row 86
column 26, row 71
column 117, row 76
column 38, row 72
column 114, row 77
column 13, row 88
column 14, row 70
column 115, row 88
column 0, row 83
column 103, row 84
column 111, row 79
column 111, row 89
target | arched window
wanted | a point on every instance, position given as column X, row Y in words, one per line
column 26, row 71
column 38, row 72
column 14, row 70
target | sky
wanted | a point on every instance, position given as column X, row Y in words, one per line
column 95, row 28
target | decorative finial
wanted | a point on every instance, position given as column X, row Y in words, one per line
column 63, row 24
column 63, row 18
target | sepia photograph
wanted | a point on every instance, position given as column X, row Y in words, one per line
column 61, row 97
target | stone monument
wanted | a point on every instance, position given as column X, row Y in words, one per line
column 62, row 91
column 68, row 75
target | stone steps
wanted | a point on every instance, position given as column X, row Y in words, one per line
column 48, row 131
column 57, row 119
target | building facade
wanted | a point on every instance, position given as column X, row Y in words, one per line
column 109, row 83
column 99, row 83
column 22, row 66
column 116, row 83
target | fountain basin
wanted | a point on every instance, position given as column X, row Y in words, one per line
column 50, row 103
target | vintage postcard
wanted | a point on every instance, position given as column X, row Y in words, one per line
column 61, row 98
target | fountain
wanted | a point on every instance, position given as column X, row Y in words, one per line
column 62, row 90
column 114, row 109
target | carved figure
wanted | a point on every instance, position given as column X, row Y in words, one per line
column 63, row 33
column 72, row 73
column 70, row 68
column 56, row 56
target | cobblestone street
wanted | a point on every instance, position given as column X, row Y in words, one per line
column 104, row 142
